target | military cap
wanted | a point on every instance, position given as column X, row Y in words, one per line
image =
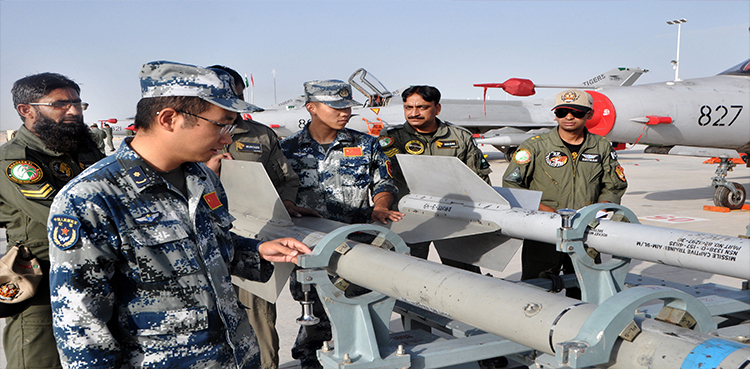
column 165, row 78
column 574, row 99
column 334, row 93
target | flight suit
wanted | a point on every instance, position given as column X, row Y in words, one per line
column 448, row 140
column 253, row 141
column 32, row 177
column 98, row 135
column 544, row 163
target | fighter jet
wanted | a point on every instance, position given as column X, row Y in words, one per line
column 703, row 112
column 382, row 107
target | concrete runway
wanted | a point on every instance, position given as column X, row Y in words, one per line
column 672, row 189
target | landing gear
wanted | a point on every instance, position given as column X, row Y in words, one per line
column 730, row 199
column 728, row 194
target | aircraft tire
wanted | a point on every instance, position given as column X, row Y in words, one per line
column 723, row 197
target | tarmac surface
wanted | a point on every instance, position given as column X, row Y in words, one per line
column 664, row 190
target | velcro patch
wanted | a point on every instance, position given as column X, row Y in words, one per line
column 352, row 151
column 65, row 231
column 446, row 144
column 212, row 200
column 24, row 172
column 385, row 141
column 591, row 158
column 414, row 147
column 249, row 147
column 514, row 176
column 556, row 159
column 388, row 167
column 522, row 156
column 620, row 173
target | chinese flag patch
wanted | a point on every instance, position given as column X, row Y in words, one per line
column 352, row 151
column 212, row 200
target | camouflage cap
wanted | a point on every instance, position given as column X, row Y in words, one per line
column 164, row 78
column 574, row 99
column 334, row 93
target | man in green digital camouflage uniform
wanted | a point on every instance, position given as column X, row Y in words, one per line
column 52, row 146
column 425, row 134
column 573, row 168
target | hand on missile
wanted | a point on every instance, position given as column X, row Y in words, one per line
column 298, row 211
column 382, row 212
column 282, row 250
column 215, row 162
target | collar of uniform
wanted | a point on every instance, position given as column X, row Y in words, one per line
column 128, row 159
column 587, row 142
column 441, row 131
column 243, row 126
column 32, row 141
column 342, row 136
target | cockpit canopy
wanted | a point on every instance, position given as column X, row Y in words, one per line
column 741, row 69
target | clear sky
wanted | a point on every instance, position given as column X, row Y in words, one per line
column 448, row 44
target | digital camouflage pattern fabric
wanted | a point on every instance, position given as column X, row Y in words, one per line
column 339, row 182
column 147, row 283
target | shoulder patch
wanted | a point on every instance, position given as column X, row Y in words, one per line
column 44, row 191
column 385, row 141
column 65, row 231
column 591, row 158
column 389, row 168
column 24, row 172
column 522, row 156
column 613, row 155
column 514, row 176
column 620, row 173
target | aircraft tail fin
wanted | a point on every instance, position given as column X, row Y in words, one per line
column 615, row 77
column 251, row 193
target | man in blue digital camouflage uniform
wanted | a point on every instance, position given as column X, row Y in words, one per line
column 140, row 244
column 340, row 170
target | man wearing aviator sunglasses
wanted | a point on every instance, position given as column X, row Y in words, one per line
column 573, row 168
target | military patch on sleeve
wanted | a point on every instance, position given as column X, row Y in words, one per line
column 414, row 147
column 446, row 144
column 385, row 141
column 613, row 155
column 43, row 191
column 24, row 172
column 65, row 232
column 620, row 173
column 390, row 153
column 514, row 176
column 249, row 147
column 591, row 158
column 139, row 178
column 61, row 170
column 522, row 156
column 352, row 151
column 212, row 200
column 483, row 164
column 388, row 168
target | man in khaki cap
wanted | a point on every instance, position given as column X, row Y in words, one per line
column 573, row 168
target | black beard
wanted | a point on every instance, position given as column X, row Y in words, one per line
column 68, row 138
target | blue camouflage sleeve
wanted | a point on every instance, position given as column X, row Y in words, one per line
column 247, row 262
column 380, row 170
column 82, row 241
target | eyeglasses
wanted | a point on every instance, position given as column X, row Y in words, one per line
column 563, row 112
column 225, row 128
column 64, row 105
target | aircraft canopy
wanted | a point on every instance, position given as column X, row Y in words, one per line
column 742, row 69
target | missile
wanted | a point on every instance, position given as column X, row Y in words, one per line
column 563, row 331
column 455, row 195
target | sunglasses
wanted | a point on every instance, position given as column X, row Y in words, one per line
column 563, row 112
